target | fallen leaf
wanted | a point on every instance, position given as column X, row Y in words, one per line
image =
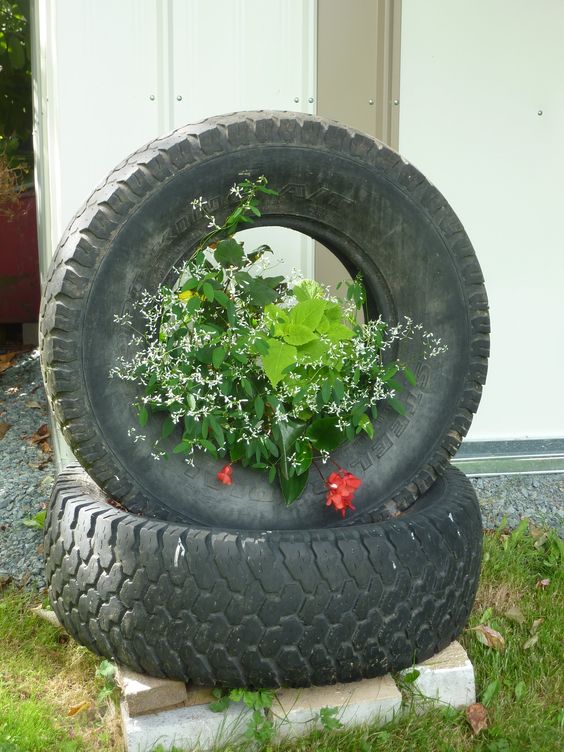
column 536, row 624
column 41, row 433
column 535, row 531
column 539, row 543
column 34, row 405
column 489, row 637
column 477, row 717
column 4, row 428
column 5, row 580
column 543, row 584
column 7, row 361
column 45, row 447
column 515, row 614
column 11, row 390
column 531, row 641
column 79, row 708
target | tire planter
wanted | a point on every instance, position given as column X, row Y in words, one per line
column 374, row 210
column 247, row 609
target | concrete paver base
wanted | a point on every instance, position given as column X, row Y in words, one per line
column 447, row 678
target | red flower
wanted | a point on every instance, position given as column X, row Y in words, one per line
column 224, row 475
column 342, row 487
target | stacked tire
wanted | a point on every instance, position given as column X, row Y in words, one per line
column 151, row 563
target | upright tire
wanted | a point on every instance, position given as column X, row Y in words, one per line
column 279, row 608
column 374, row 210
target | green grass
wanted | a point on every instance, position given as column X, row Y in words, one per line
column 41, row 677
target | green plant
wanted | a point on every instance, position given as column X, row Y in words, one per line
column 37, row 522
column 10, row 185
column 270, row 372
column 259, row 728
column 107, row 672
column 15, row 83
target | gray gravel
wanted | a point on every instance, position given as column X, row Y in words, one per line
column 27, row 476
column 26, row 472
column 538, row 497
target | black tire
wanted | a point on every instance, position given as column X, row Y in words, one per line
column 364, row 202
column 248, row 609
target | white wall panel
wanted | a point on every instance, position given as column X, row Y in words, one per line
column 474, row 77
column 101, row 67
column 246, row 55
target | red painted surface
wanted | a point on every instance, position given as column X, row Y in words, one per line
column 19, row 264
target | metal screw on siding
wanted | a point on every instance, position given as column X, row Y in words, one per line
column 296, row 99
column 396, row 102
column 539, row 113
column 152, row 97
column 371, row 101
column 179, row 97
column 310, row 100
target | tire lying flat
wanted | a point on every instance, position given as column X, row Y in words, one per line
column 376, row 212
column 263, row 609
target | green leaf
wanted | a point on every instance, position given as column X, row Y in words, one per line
column 182, row 448
column 190, row 284
column 248, row 387
column 218, row 357
column 396, row 405
column 208, row 446
column 339, row 332
column 298, row 334
column 272, row 474
column 221, row 298
column 339, row 389
column 520, row 689
column 207, row 289
column 366, row 425
column 36, row 522
column 314, row 350
column 167, row 427
column 217, row 430
column 410, row 376
column 259, row 406
column 333, row 312
column 280, row 355
column 324, row 434
column 259, row 290
column 303, row 456
column 307, row 289
column 258, row 253
column 237, row 452
column 143, row 415
column 286, row 435
column 292, row 487
column 261, row 346
column 309, row 313
column 389, row 372
column 490, row 692
column 229, row 253
column 326, row 391
column 411, row 676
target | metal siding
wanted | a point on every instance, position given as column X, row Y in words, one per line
column 474, row 78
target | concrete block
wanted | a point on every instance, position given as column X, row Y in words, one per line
column 447, row 678
column 147, row 694
column 195, row 727
column 296, row 711
column 48, row 615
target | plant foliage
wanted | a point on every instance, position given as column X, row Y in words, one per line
column 265, row 371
